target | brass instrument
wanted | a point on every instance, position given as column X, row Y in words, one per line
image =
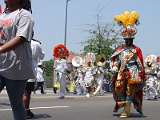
column 101, row 61
column 77, row 61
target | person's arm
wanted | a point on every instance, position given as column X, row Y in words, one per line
column 12, row 44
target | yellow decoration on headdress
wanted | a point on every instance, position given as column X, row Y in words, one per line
column 127, row 19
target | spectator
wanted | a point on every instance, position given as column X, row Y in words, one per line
column 16, row 66
column 37, row 54
column 40, row 79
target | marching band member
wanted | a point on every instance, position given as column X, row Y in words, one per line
column 127, row 68
column 79, row 83
column 91, row 55
column 158, row 76
column 151, row 73
column 88, row 77
column 99, row 76
column 99, row 80
column 61, row 67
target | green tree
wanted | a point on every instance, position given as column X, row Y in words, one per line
column 104, row 38
column 48, row 72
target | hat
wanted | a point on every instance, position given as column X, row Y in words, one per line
column 151, row 59
column 128, row 20
column 39, row 64
column 60, row 50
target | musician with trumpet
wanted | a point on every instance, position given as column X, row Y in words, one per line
column 99, row 76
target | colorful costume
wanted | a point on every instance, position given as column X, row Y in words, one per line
column 128, row 68
column 158, row 76
column 151, row 75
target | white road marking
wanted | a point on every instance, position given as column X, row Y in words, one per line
column 39, row 108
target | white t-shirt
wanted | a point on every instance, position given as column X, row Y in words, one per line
column 16, row 64
column 101, row 75
column 89, row 72
column 40, row 75
column 61, row 65
column 37, row 53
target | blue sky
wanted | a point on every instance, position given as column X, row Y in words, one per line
column 49, row 17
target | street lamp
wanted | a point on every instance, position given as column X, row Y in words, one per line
column 65, row 35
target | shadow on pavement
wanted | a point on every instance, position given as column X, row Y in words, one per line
column 41, row 116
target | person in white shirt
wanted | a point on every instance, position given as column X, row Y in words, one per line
column 80, row 87
column 40, row 78
column 37, row 54
column 61, row 68
column 99, row 80
column 88, row 77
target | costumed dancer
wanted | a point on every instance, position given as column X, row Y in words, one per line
column 158, row 76
column 151, row 76
column 127, row 67
column 77, row 62
column 61, row 67
column 99, row 76
column 88, row 76
column 91, row 56
column 79, row 83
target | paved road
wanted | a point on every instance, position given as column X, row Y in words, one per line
column 49, row 107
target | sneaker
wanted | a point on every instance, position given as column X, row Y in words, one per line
column 61, row 97
column 79, row 93
column 88, row 95
column 29, row 114
column 101, row 94
column 155, row 97
column 94, row 94
column 147, row 98
column 43, row 93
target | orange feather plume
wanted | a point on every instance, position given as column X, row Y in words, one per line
column 60, row 51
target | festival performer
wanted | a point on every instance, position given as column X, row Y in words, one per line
column 151, row 75
column 88, row 76
column 61, row 67
column 80, row 88
column 127, row 67
column 99, row 80
column 158, row 76
column 91, row 55
column 99, row 76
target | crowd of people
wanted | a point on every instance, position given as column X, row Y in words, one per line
column 21, row 68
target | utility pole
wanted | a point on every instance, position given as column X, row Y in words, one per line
column 65, row 35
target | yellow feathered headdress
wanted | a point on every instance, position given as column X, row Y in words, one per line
column 128, row 20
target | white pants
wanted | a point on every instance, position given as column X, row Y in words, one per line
column 151, row 88
column 80, row 87
column 99, row 87
column 62, row 89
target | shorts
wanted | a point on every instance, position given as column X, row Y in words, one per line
column 30, row 86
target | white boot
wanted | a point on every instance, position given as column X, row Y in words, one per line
column 88, row 95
